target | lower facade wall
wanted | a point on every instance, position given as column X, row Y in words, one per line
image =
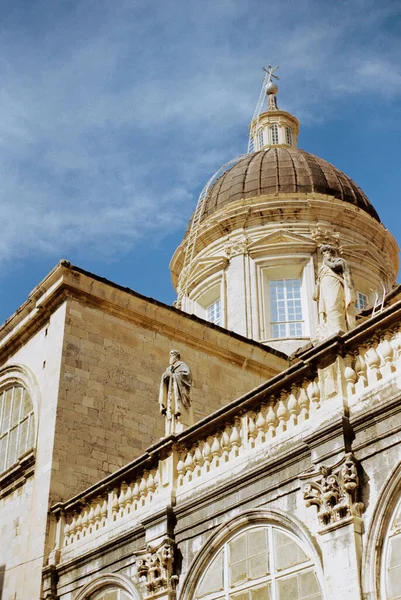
column 346, row 554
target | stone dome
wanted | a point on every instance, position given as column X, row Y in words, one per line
column 280, row 170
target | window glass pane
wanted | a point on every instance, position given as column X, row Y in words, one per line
column 17, row 431
column 286, row 308
column 3, row 448
column 22, row 442
column 16, row 406
column 212, row 580
column 288, row 588
column 241, row 569
column 111, row 594
column 287, row 552
column 12, row 447
column 7, row 397
column 213, row 312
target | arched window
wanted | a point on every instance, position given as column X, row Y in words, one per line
column 260, row 138
column 274, row 133
column 111, row 593
column 288, row 135
column 392, row 558
column 17, row 425
column 260, row 563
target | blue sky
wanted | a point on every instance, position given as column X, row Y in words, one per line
column 113, row 115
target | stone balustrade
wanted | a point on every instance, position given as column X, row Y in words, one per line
column 350, row 365
column 269, row 419
column 87, row 517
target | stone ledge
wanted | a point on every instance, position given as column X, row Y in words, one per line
column 17, row 474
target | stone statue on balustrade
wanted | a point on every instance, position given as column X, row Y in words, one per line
column 175, row 395
column 335, row 294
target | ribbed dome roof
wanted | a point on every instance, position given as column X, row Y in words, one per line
column 284, row 171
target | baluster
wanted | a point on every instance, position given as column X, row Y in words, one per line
column 252, row 430
column 67, row 532
column 313, row 392
column 128, row 499
column 207, row 454
column 387, row 354
column 235, row 438
column 282, row 413
column 78, row 527
column 225, row 443
column 189, row 466
column 271, row 419
column 360, row 369
column 121, row 499
column 91, row 517
column 396, row 345
column 150, row 484
column 350, row 375
column 103, row 512
column 135, row 495
column 198, row 460
column 373, row 362
column 114, row 504
column 181, row 469
column 216, row 450
column 97, row 513
column 143, row 488
column 261, row 426
column 303, row 403
column 292, row 407
column 73, row 528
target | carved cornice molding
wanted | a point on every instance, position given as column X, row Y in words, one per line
column 334, row 490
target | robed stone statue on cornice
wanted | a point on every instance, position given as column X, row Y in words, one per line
column 175, row 395
column 335, row 294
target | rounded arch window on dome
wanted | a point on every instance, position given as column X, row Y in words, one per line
column 261, row 562
column 274, row 136
column 288, row 135
column 17, row 425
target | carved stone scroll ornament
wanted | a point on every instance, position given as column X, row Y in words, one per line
column 334, row 491
column 155, row 569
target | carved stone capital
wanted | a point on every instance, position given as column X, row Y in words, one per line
column 239, row 246
column 155, row 569
column 334, row 491
column 323, row 235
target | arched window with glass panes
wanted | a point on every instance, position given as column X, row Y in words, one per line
column 391, row 565
column 111, row 593
column 17, row 425
column 260, row 563
column 274, row 134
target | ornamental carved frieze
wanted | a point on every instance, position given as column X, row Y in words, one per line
column 334, row 491
column 155, row 569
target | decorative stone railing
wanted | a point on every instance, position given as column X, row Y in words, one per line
column 93, row 512
column 348, row 366
column 269, row 419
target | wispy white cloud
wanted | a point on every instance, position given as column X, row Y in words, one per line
column 112, row 115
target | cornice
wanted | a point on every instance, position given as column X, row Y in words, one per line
column 67, row 281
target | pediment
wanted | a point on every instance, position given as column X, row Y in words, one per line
column 282, row 238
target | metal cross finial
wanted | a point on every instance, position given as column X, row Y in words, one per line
column 270, row 73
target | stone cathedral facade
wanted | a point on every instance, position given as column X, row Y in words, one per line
column 287, row 486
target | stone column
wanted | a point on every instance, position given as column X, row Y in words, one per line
column 342, row 552
column 237, row 295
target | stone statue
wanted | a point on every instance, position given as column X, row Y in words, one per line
column 175, row 395
column 335, row 294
